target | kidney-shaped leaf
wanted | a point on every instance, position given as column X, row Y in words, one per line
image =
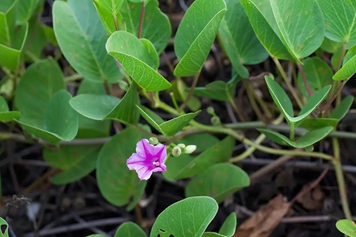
column 82, row 38
column 189, row 217
column 216, row 182
column 196, row 34
column 116, row 182
column 136, row 60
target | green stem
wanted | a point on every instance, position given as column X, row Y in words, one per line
column 289, row 85
column 142, row 14
column 340, row 179
column 191, row 91
column 73, row 78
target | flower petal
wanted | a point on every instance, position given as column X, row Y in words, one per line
column 144, row 173
column 162, row 153
column 144, row 148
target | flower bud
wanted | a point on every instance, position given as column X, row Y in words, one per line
column 153, row 141
column 189, row 149
column 181, row 145
column 215, row 121
column 210, row 110
column 176, row 151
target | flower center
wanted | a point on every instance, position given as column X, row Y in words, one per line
column 156, row 163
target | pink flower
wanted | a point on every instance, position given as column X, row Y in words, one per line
column 147, row 159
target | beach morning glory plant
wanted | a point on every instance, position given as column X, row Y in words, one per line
column 147, row 159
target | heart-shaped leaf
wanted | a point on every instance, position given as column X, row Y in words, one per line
column 216, row 182
column 196, row 34
column 191, row 217
column 187, row 166
column 318, row 73
column 238, row 39
column 228, row 228
column 118, row 184
column 339, row 21
column 219, row 90
column 129, row 229
column 25, row 10
column 83, row 43
column 346, row 227
column 156, row 26
column 170, row 127
column 136, row 60
column 304, row 141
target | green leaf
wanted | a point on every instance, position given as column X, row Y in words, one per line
column 264, row 25
column 156, row 26
column 339, row 21
column 318, row 73
column 239, row 40
column 26, row 9
column 343, row 108
column 11, row 54
column 89, row 128
column 217, row 183
column 75, row 161
column 229, row 226
column 186, row 166
column 7, row 21
column 300, row 24
column 180, row 93
column 109, row 12
column 5, row 114
column 330, row 46
column 196, row 34
column 316, row 123
column 304, row 141
column 101, row 107
column 212, row 234
column 116, row 182
column 83, row 43
column 346, row 227
column 4, row 231
column 203, row 141
column 219, row 90
column 50, row 36
column 189, row 217
column 280, row 97
column 348, row 68
column 313, row 102
column 136, row 60
column 60, row 121
column 168, row 128
column 129, row 229
column 151, row 51
column 35, row 41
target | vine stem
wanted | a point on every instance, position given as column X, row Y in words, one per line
column 340, row 179
column 305, row 80
column 289, row 85
column 191, row 91
column 142, row 14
